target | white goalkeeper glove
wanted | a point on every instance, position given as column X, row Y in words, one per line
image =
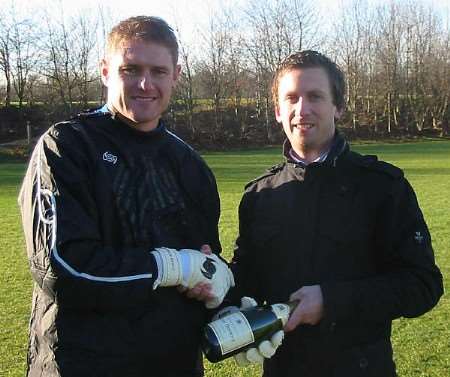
column 188, row 267
column 265, row 350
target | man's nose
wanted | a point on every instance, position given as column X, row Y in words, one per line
column 146, row 81
column 302, row 107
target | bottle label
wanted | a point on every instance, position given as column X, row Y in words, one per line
column 232, row 331
column 282, row 312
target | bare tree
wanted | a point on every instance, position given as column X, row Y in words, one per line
column 274, row 31
column 236, row 71
column 5, row 58
column 25, row 55
column 57, row 67
column 352, row 40
column 68, row 67
column 389, row 50
column 213, row 66
column 185, row 86
column 85, row 26
column 428, row 66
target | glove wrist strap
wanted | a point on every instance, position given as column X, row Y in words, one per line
column 170, row 272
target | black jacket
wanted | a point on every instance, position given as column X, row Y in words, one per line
column 351, row 224
column 97, row 198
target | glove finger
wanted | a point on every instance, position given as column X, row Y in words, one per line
column 266, row 349
column 202, row 294
column 254, row 356
column 217, row 296
column 248, row 302
column 277, row 339
column 213, row 303
column 241, row 359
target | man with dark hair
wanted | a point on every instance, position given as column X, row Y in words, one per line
column 339, row 232
column 115, row 209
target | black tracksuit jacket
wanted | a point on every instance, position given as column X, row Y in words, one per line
column 97, row 198
column 353, row 225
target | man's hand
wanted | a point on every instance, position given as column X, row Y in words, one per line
column 264, row 350
column 201, row 291
column 188, row 268
column 309, row 309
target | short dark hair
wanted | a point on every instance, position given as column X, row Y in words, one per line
column 312, row 59
column 145, row 28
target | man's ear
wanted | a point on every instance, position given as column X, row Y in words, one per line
column 176, row 73
column 104, row 72
column 277, row 114
column 338, row 113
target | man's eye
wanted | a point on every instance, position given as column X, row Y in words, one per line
column 292, row 99
column 159, row 72
column 315, row 96
column 129, row 70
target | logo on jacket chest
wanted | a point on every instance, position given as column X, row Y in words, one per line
column 109, row 157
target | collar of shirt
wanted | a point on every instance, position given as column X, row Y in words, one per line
column 303, row 162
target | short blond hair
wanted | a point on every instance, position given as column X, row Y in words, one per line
column 144, row 28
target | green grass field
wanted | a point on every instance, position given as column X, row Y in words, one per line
column 422, row 346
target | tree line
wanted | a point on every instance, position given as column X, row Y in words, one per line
column 396, row 57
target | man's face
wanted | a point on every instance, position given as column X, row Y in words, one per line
column 306, row 110
column 140, row 77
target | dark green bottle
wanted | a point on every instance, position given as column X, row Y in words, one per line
column 243, row 329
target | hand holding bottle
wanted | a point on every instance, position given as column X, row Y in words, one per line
column 265, row 350
column 251, row 333
column 310, row 308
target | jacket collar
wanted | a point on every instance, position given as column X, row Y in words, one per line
column 127, row 129
column 338, row 147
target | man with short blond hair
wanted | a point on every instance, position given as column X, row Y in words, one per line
column 143, row 28
column 121, row 225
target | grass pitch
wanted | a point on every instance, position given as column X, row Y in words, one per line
column 421, row 346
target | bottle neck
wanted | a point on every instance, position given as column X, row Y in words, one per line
column 283, row 310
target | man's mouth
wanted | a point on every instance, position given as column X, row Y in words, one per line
column 303, row 126
column 144, row 98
